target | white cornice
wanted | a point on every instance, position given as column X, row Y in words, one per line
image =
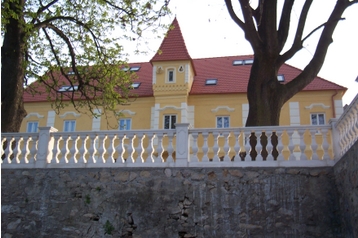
column 317, row 105
column 170, row 107
column 224, row 108
column 69, row 113
column 34, row 114
column 128, row 112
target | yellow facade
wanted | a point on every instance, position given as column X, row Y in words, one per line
column 203, row 113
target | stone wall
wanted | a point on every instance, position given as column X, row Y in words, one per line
column 346, row 173
column 152, row 202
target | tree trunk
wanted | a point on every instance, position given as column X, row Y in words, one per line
column 264, row 94
column 12, row 72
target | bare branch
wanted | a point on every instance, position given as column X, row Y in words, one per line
column 284, row 23
column 297, row 42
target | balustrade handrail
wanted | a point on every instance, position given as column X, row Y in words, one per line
column 262, row 128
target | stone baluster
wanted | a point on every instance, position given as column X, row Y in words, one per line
column 269, row 146
column 150, row 148
column 216, row 136
column 56, row 149
column 130, row 148
column 170, row 148
column 247, row 135
column 102, row 149
column 92, row 151
column 74, row 150
column 237, row 135
column 160, row 149
column 226, row 146
column 314, row 144
column 205, row 147
column 8, row 150
column 83, row 150
column 325, row 144
column 18, row 149
column 302, row 145
column 111, row 138
column 2, row 147
column 120, row 149
column 291, row 146
column 279, row 134
column 141, row 149
column 194, row 147
column 26, row 149
column 65, row 150
column 259, row 146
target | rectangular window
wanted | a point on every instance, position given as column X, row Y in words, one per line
column 125, row 124
column 171, row 75
column 222, row 122
column 32, row 126
column 318, row 119
column 69, row 125
column 169, row 121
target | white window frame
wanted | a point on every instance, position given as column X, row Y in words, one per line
column 171, row 125
column 223, row 124
column 168, row 74
column 72, row 125
column 125, row 123
column 30, row 126
column 317, row 115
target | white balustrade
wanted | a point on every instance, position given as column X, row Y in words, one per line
column 183, row 147
column 345, row 129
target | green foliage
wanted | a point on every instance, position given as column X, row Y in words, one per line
column 83, row 36
column 108, row 228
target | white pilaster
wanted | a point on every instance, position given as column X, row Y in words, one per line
column 338, row 107
column 294, row 113
column 96, row 122
column 184, row 113
column 51, row 119
column 154, row 75
column 245, row 112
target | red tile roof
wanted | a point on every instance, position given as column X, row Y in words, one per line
column 230, row 79
column 173, row 46
column 234, row 79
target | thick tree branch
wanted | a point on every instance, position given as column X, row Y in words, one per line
column 297, row 42
column 248, row 26
column 314, row 66
column 284, row 26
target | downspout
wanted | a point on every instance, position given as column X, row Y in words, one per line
column 333, row 106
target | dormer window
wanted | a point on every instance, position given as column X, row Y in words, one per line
column 135, row 85
column 248, row 61
column 68, row 88
column 134, row 68
column 211, row 81
column 237, row 62
column 281, row 78
column 71, row 73
column 170, row 75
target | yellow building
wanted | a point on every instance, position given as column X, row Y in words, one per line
column 207, row 93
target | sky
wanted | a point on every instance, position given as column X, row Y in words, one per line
column 209, row 31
